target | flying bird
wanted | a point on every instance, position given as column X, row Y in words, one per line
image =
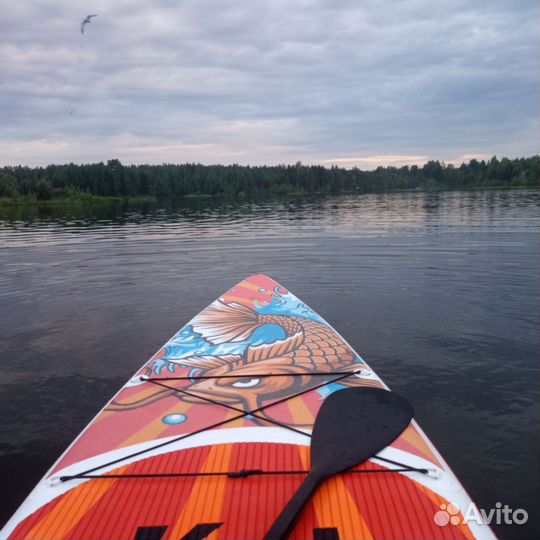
column 87, row 20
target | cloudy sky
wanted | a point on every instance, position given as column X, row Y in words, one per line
column 360, row 82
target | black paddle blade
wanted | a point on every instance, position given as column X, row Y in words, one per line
column 352, row 426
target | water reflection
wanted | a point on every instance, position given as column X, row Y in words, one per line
column 353, row 216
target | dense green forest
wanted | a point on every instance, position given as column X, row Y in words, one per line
column 116, row 180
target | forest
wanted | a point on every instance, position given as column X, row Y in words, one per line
column 113, row 179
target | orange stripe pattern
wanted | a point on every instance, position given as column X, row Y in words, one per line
column 359, row 506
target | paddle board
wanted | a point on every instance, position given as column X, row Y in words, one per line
column 211, row 439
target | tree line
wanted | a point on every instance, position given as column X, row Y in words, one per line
column 113, row 179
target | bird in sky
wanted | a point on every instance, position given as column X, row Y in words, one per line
column 85, row 21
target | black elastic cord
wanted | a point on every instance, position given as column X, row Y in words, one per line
column 212, row 426
column 237, row 409
column 397, row 463
column 235, row 474
column 251, row 375
column 277, row 423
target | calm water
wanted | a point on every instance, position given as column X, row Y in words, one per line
column 438, row 292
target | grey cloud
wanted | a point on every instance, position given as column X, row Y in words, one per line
column 270, row 81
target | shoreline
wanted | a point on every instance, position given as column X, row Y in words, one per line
column 69, row 201
column 89, row 200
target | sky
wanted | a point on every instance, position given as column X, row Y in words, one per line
column 333, row 82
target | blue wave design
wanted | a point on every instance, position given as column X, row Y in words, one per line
column 288, row 305
column 188, row 343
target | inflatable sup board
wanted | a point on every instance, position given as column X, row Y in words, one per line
column 211, row 439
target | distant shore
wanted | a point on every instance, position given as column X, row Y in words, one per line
column 70, row 201
column 96, row 200
column 114, row 182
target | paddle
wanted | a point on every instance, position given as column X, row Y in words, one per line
column 352, row 426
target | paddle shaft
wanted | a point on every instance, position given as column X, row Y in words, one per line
column 283, row 525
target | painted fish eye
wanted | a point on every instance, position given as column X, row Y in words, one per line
column 246, row 383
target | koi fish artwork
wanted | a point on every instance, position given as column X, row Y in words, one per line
column 306, row 347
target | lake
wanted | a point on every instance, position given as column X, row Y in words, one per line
column 439, row 292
